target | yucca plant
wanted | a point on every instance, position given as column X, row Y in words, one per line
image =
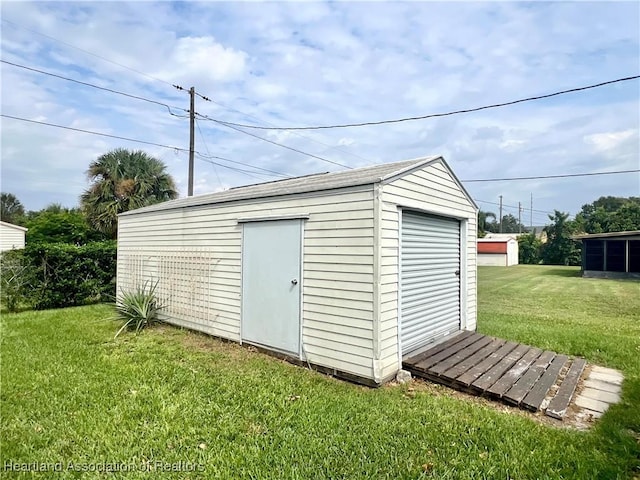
column 138, row 308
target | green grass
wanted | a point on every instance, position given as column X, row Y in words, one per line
column 71, row 393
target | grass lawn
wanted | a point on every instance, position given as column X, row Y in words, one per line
column 72, row 394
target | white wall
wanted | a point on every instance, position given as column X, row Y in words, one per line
column 512, row 253
column 431, row 190
column 195, row 254
column 11, row 236
column 492, row 259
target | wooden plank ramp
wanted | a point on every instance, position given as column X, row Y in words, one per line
column 511, row 372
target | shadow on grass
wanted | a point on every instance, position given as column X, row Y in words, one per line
column 5, row 311
column 562, row 272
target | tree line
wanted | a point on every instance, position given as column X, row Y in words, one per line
column 70, row 254
column 556, row 246
column 119, row 181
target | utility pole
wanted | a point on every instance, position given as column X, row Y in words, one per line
column 500, row 213
column 192, row 137
column 519, row 217
column 531, row 213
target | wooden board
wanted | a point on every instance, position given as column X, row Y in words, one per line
column 428, row 362
column 495, row 373
column 438, row 348
column 539, row 390
column 470, row 376
column 510, row 377
column 482, row 350
column 558, row 406
column 522, row 387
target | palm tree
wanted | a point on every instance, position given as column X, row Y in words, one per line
column 482, row 220
column 123, row 180
column 11, row 210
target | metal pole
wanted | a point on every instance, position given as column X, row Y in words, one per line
column 500, row 213
column 192, row 137
column 519, row 217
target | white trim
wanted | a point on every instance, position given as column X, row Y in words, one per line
column 270, row 218
column 399, row 287
column 301, row 350
column 11, row 225
column 464, row 276
column 242, row 245
column 377, row 270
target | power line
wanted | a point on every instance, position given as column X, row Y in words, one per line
column 249, row 173
column 87, row 52
column 135, row 140
column 272, row 142
column 168, row 107
column 542, row 177
column 268, row 123
column 445, row 114
column 273, row 172
column 514, row 207
column 209, row 153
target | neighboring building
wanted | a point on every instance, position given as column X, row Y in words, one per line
column 615, row 255
column 11, row 236
column 498, row 252
column 349, row 271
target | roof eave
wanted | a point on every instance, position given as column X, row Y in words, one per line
column 588, row 236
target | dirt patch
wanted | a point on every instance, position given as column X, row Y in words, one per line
column 202, row 342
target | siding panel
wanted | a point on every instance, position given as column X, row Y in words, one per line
column 337, row 269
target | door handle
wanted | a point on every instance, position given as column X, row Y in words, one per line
column 294, row 281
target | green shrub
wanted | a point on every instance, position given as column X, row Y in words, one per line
column 13, row 279
column 139, row 308
column 529, row 249
column 63, row 275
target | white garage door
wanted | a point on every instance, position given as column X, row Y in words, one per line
column 430, row 279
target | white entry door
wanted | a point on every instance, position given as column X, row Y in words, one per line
column 271, row 269
column 430, row 279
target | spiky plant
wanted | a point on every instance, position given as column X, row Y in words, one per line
column 138, row 308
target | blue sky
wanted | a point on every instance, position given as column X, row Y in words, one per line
column 313, row 63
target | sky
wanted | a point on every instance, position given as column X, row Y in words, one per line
column 326, row 63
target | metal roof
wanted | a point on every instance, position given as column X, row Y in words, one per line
column 588, row 236
column 304, row 184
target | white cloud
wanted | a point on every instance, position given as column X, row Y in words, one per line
column 608, row 141
column 204, row 58
column 326, row 63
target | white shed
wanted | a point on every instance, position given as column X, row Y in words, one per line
column 349, row 271
column 498, row 251
column 11, row 236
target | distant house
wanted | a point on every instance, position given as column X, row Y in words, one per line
column 612, row 255
column 11, row 236
column 498, row 252
column 539, row 232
